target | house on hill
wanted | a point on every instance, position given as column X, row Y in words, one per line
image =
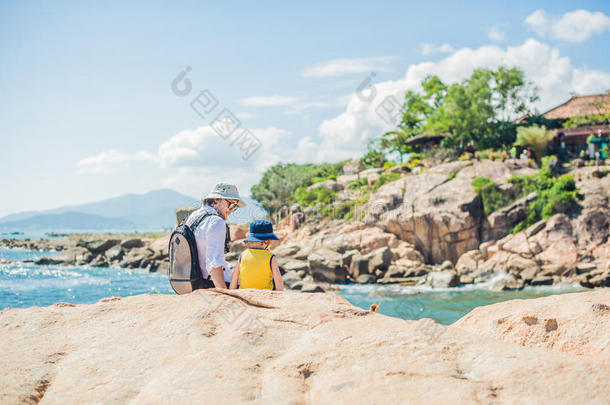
column 584, row 123
column 580, row 106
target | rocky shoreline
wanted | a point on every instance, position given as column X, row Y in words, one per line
column 289, row 348
column 423, row 229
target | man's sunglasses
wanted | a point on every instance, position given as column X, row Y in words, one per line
column 233, row 204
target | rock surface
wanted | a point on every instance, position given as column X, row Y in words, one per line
column 576, row 323
column 438, row 211
column 269, row 347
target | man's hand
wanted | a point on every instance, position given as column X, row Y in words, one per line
column 217, row 277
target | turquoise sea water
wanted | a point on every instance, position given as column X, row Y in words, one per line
column 25, row 284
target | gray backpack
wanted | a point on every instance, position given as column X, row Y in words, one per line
column 184, row 271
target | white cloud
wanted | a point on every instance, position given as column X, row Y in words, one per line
column 496, row 34
column 113, row 160
column 345, row 135
column 268, row 101
column 199, row 153
column 429, row 49
column 573, row 26
column 340, row 67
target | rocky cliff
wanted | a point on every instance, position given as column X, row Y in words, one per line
column 287, row 348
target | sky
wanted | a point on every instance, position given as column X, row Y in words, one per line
column 107, row 98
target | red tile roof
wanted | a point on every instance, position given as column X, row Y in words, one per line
column 579, row 106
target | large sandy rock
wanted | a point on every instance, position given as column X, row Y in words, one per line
column 285, row 348
column 576, row 323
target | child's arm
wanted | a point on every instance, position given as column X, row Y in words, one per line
column 235, row 276
column 277, row 276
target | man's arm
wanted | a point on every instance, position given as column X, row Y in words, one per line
column 215, row 251
column 217, row 276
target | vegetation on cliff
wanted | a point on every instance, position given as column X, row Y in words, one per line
column 556, row 194
column 277, row 187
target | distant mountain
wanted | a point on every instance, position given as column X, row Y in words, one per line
column 155, row 209
column 67, row 220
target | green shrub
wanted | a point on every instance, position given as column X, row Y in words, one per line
column 356, row 184
column 412, row 164
column 319, row 179
column 556, row 196
column 492, row 197
column 373, row 159
column 279, row 183
column 536, row 138
column 385, row 179
column 388, row 165
column 307, row 198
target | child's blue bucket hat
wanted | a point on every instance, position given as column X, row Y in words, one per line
column 261, row 231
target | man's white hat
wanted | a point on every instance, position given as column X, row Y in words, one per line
column 226, row 191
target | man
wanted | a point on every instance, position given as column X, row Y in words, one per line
column 211, row 233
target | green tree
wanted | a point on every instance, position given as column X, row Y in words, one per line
column 374, row 158
column 536, row 138
column 394, row 141
column 278, row 184
column 475, row 111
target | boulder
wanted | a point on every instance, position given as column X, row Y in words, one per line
column 290, row 278
column 292, row 250
column 542, row 281
column 331, row 185
column 294, row 348
column 135, row 257
column 442, row 279
column 370, row 173
column 311, row 288
column 509, row 283
column 72, row 256
column 346, row 259
column 353, row 167
column 98, row 245
column 132, row 243
column 365, row 279
column 600, row 280
column 469, row 262
column 114, row 254
column 577, row 324
column 499, row 223
column 395, row 271
column 359, row 265
column 99, row 261
column 183, row 213
column 326, row 265
column 346, row 180
column 293, row 265
column 438, row 210
column 238, row 231
column 379, row 259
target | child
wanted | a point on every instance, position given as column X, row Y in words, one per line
column 257, row 266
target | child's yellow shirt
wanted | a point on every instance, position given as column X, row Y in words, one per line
column 255, row 269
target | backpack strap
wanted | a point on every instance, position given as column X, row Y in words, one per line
column 228, row 231
column 199, row 221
